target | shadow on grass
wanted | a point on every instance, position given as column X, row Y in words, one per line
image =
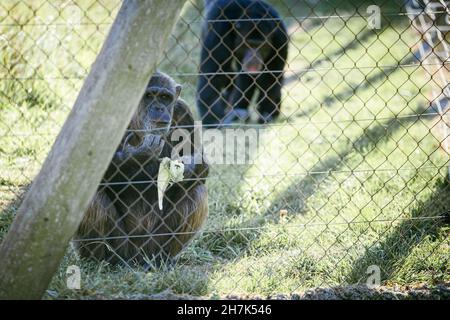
column 230, row 244
column 235, row 240
column 359, row 39
column 367, row 142
column 391, row 253
column 367, row 84
column 382, row 75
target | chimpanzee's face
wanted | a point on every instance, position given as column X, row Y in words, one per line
column 253, row 38
column 157, row 104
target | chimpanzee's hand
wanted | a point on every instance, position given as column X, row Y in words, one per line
column 151, row 147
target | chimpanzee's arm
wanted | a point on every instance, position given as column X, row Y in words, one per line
column 180, row 143
column 217, row 42
column 133, row 163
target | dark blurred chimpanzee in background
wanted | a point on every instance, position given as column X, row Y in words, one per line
column 244, row 51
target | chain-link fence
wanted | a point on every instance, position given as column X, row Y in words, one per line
column 324, row 126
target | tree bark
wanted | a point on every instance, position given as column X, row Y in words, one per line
column 54, row 206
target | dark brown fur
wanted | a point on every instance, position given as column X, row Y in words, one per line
column 123, row 220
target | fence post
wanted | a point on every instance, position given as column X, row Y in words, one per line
column 54, row 206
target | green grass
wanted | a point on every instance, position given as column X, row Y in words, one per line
column 356, row 171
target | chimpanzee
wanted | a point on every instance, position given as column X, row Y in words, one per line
column 123, row 221
column 244, row 51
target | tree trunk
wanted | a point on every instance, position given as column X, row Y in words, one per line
column 54, row 206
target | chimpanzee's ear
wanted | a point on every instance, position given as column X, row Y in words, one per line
column 178, row 90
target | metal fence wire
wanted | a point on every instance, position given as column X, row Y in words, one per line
column 325, row 126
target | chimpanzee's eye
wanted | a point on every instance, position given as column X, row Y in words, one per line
column 165, row 97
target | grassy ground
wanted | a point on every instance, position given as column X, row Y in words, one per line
column 356, row 174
